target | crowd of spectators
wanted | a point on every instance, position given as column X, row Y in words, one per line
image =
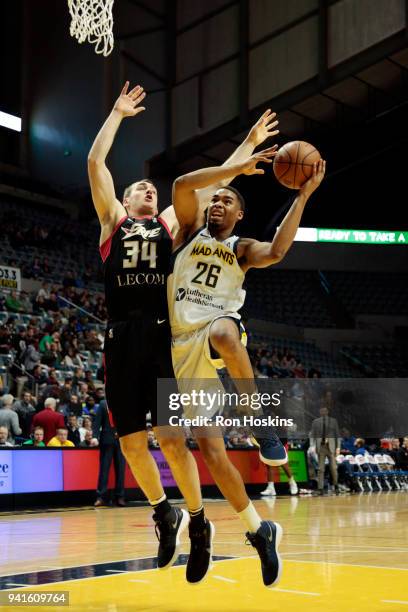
column 279, row 364
column 51, row 299
column 30, row 423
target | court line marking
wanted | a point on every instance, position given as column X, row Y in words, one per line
column 114, row 571
column 394, row 601
column 382, row 567
column 340, row 550
column 224, row 579
column 15, row 584
column 297, row 592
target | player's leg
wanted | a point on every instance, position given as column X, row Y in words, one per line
column 270, row 488
column 224, row 338
column 170, row 521
column 292, row 482
column 265, row 536
column 129, row 399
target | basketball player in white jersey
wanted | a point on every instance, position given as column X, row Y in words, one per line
column 137, row 343
column 204, row 296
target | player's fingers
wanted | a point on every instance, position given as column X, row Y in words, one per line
column 139, row 109
column 137, row 100
column 259, row 171
column 270, row 123
column 125, row 88
column 135, row 91
column 273, row 133
column 264, row 117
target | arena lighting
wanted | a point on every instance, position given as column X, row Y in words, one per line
column 10, row 121
column 351, row 236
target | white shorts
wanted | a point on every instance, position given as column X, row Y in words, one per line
column 196, row 370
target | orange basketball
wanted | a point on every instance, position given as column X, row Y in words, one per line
column 293, row 163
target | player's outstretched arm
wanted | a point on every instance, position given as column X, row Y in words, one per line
column 185, row 200
column 263, row 129
column 108, row 208
column 255, row 254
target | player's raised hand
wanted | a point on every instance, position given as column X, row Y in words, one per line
column 128, row 102
column 265, row 156
column 319, row 170
column 264, row 128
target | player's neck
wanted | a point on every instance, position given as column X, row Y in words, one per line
column 218, row 233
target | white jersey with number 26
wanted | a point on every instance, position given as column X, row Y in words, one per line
column 205, row 282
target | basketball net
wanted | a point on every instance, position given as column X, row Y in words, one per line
column 92, row 20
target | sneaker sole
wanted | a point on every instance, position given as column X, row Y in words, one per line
column 210, row 565
column 183, row 524
column 268, row 494
column 279, row 533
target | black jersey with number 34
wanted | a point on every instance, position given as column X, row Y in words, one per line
column 136, row 264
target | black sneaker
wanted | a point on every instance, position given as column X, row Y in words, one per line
column 168, row 533
column 271, row 450
column 266, row 541
column 199, row 560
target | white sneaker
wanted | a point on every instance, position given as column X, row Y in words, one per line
column 293, row 487
column 270, row 490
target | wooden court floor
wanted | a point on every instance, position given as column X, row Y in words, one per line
column 347, row 553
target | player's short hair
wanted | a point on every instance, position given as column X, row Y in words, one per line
column 129, row 188
column 240, row 197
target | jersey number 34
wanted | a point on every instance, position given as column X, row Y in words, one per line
column 145, row 250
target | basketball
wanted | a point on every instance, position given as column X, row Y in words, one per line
column 293, row 163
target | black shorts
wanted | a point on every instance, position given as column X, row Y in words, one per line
column 137, row 353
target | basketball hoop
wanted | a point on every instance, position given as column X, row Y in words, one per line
column 92, row 20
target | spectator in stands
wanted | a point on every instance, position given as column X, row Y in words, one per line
column 360, row 448
column 49, row 419
column 397, row 452
column 299, row 371
column 89, row 408
column 347, row 445
column 39, row 376
column 77, row 379
column 73, row 430
column 13, row 303
column 45, row 343
column 83, row 392
column 72, row 358
column 9, row 418
column 325, row 441
column 151, row 439
column 31, row 357
column 37, row 438
column 89, row 441
column 403, row 455
column 74, row 406
column 39, row 306
column 109, row 449
column 51, row 305
column 61, row 438
column 90, row 381
column 52, row 357
column 35, row 268
column 4, row 433
column 43, row 292
column 26, row 302
column 25, row 409
column 45, row 266
column 69, row 279
column 87, row 425
column 5, row 339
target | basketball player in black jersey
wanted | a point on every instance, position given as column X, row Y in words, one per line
column 135, row 245
column 221, row 333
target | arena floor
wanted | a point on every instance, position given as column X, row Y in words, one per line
column 340, row 553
